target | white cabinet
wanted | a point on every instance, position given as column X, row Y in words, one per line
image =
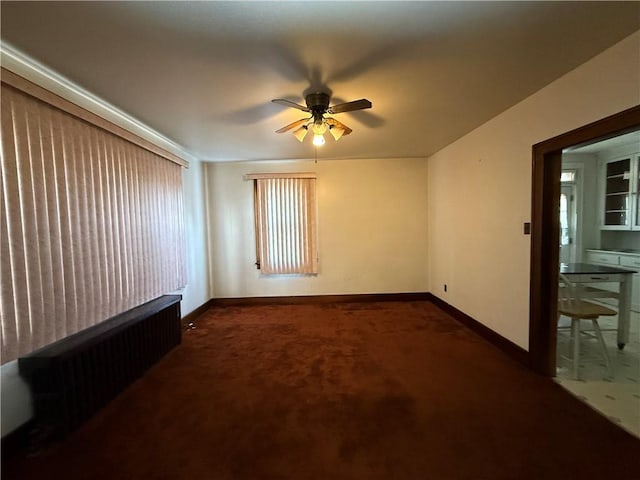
column 621, row 202
column 599, row 257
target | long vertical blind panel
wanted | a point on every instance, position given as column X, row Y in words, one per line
column 286, row 225
column 91, row 224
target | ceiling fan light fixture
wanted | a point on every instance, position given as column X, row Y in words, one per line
column 319, row 128
column 318, row 106
column 318, row 140
column 301, row 133
column 336, row 132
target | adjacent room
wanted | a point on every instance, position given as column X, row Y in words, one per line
column 320, row 239
column 601, row 227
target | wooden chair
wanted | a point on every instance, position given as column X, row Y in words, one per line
column 573, row 306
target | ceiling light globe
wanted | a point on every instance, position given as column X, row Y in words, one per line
column 318, row 140
column 300, row 133
column 319, row 128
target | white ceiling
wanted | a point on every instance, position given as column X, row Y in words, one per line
column 631, row 139
column 203, row 73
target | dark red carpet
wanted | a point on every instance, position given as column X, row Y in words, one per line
column 341, row 391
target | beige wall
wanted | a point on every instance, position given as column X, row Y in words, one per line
column 480, row 189
column 372, row 228
column 196, row 292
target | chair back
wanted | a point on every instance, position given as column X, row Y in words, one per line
column 568, row 292
column 572, row 304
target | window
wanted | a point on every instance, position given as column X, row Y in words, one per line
column 568, row 176
column 285, row 222
column 568, row 216
column 90, row 223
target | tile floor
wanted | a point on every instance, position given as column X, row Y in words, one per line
column 617, row 393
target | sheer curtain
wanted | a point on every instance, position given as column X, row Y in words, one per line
column 90, row 224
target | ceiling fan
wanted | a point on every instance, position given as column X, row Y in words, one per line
column 318, row 122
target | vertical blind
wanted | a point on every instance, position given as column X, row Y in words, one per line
column 285, row 210
column 91, row 224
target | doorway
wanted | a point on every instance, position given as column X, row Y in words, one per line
column 545, row 230
column 568, row 218
column 605, row 377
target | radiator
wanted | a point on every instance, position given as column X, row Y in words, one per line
column 74, row 377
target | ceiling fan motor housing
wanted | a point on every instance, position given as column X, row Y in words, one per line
column 318, row 103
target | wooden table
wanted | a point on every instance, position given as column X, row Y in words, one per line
column 584, row 273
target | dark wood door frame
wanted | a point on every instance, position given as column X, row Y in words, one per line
column 545, row 230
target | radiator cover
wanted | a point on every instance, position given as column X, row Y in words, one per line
column 74, row 377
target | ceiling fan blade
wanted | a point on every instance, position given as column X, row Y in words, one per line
column 350, row 106
column 295, row 124
column 288, row 103
column 332, row 122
